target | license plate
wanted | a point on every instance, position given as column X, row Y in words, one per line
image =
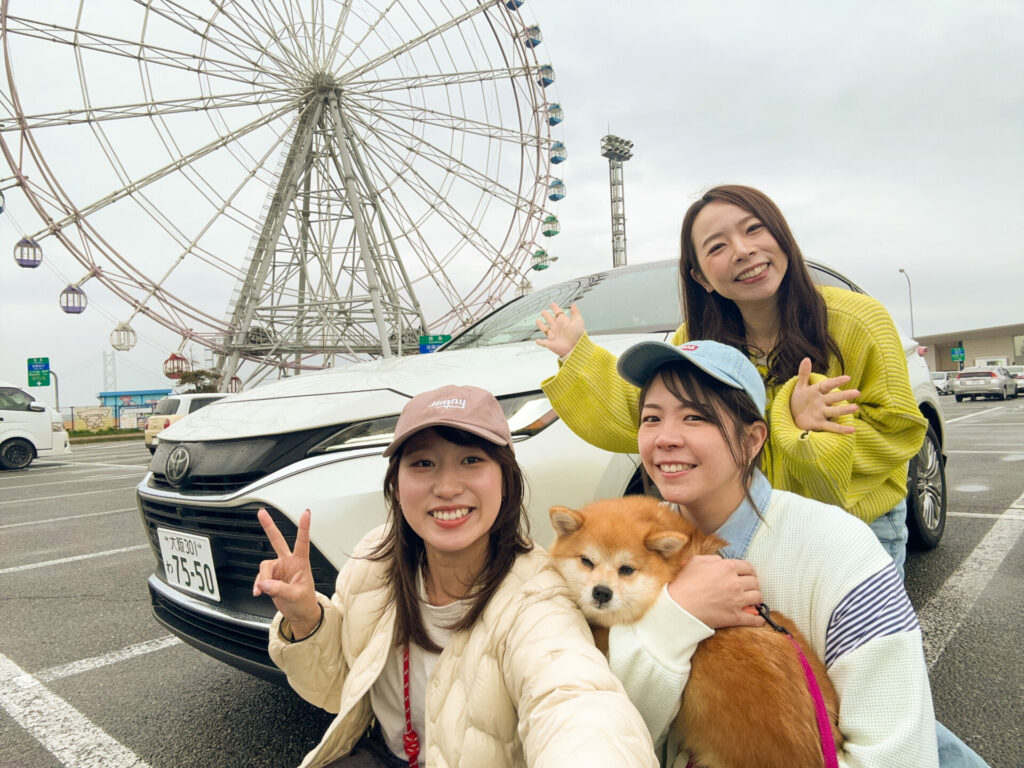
column 188, row 562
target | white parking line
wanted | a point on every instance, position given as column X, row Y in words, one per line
column 111, row 466
column 123, row 654
column 73, row 480
column 66, row 470
column 988, row 515
column 68, row 517
column 76, row 558
column 65, row 732
column 945, row 612
column 972, row 415
column 997, row 453
column 66, row 495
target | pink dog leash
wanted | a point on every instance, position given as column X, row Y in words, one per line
column 828, row 744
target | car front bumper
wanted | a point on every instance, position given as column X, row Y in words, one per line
column 236, row 638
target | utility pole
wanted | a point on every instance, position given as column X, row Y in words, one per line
column 617, row 151
column 910, row 297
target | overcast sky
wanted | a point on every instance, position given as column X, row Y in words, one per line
column 889, row 133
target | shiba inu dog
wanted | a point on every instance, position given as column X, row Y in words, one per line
column 746, row 702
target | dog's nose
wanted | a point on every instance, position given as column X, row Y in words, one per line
column 601, row 594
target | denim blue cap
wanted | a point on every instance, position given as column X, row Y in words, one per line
column 727, row 364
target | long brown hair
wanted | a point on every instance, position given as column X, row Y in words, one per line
column 730, row 409
column 404, row 553
column 803, row 314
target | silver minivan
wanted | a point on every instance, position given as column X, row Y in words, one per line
column 29, row 429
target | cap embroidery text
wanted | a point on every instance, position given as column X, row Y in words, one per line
column 452, row 403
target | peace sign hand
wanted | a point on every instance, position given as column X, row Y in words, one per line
column 288, row 578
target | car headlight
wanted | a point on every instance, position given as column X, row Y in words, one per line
column 57, row 426
column 528, row 414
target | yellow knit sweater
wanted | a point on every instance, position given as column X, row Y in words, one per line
column 864, row 473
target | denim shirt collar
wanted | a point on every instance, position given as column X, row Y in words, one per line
column 743, row 523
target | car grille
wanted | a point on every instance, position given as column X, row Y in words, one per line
column 238, row 545
column 209, row 484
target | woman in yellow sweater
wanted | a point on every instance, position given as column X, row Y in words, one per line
column 745, row 284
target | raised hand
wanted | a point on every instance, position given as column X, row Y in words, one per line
column 718, row 591
column 561, row 330
column 815, row 405
column 288, row 578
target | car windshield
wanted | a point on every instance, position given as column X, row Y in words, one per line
column 639, row 299
column 636, row 299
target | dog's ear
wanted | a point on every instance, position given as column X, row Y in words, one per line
column 666, row 543
column 565, row 521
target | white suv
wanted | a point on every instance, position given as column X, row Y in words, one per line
column 316, row 440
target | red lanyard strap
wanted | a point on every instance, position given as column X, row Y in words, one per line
column 410, row 739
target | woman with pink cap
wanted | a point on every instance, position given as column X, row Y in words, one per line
column 450, row 640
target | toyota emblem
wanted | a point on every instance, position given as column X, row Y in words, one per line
column 177, row 465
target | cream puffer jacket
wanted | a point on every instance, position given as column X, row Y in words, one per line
column 524, row 687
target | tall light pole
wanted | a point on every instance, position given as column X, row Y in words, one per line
column 910, row 296
column 617, row 151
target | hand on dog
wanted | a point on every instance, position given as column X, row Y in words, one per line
column 716, row 591
column 288, row 578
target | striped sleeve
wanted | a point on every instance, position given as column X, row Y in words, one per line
column 876, row 607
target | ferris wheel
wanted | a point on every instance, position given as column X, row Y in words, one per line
column 285, row 183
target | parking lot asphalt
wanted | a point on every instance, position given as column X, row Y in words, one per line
column 88, row 678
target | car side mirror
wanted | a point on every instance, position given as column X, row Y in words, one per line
column 37, row 407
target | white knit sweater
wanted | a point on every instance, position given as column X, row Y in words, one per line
column 825, row 570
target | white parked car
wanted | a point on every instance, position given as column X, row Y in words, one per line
column 316, row 440
column 29, row 429
column 941, row 380
column 172, row 408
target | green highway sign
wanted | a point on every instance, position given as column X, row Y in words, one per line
column 430, row 343
column 957, row 354
column 39, row 371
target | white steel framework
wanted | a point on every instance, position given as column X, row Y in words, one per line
column 341, row 176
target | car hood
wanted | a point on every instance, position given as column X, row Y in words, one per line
column 374, row 388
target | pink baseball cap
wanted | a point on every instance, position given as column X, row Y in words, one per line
column 470, row 409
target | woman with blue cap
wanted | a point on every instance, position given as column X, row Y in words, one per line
column 701, row 432
column 745, row 284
